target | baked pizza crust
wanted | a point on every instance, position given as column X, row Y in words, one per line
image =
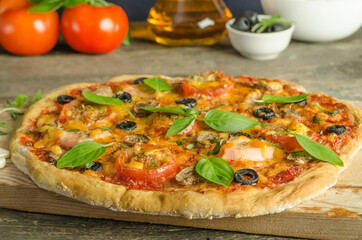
column 190, row 204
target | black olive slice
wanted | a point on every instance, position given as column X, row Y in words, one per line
column 127, row 125
column 188, row 102
column 337, row 129
column 124, row 96
column 64, row 99
column 302, row 102
column 252, row 176
column 245, row 21
column 264, row 113
column 94, row 166
column 139, row 80
column 238, row 134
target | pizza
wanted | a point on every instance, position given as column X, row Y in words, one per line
column 203, row 146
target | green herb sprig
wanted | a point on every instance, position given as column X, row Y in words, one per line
column 282, row 99
column 267, row 22
column 106, row 101
column 158, row 85
column 16, row 108
column 216, row 149
column 217, row 119
column 331, row 113
column 317, row 150
column 82, row 153
column 216, row 170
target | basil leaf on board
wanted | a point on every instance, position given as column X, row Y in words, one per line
column 158, row 84
column 215, row 170
column 216, row 149
column 331, row 113
column 82, row 153
column 37, row 97
column 20, row 100
column 179, row 125
column 46, row 6
column 318, row 150
column 282, row 99
column 106, row 101
column 3, row 125
column 225, row 121
column 173, row 110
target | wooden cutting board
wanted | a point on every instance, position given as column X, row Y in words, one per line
column 336, row 214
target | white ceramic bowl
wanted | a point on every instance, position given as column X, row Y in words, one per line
column 318, row 20
column 259, row 46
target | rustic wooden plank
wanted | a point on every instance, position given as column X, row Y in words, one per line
column 305, row 225
column 32, row 226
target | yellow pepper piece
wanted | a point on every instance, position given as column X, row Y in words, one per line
column 136, row 165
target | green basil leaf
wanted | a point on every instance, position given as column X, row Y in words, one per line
column 37, row 97
column 46, row 6
column 82, row 153
column 318, row 150
column 282, row 99
column 173, row 110
column 20, row 100
column 216, row 149
column 179, row 125
column 215, row 170
column 73, row 130
column 331, row 113
column 3, row 133
column 225, row 121
column 3, row 125
column 105, row 101
column 158, row 84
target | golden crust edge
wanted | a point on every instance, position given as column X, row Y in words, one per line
column 189, row 204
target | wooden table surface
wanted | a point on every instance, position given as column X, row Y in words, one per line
column 334, row 68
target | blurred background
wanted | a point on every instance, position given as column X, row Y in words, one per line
column 137, row 10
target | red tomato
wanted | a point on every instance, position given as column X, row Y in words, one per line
column 148, row 174
column 284, row 141
column 13, row 4
column 91, row 29
column 211, row 84
column 25, row 33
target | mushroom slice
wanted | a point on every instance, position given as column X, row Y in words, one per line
column 103, row 91
column 204, row 137
column 136, row 139
column 299, row 158
column 187, row 176
column 145, row 104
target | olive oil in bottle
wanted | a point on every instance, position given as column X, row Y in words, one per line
column 188, row 22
